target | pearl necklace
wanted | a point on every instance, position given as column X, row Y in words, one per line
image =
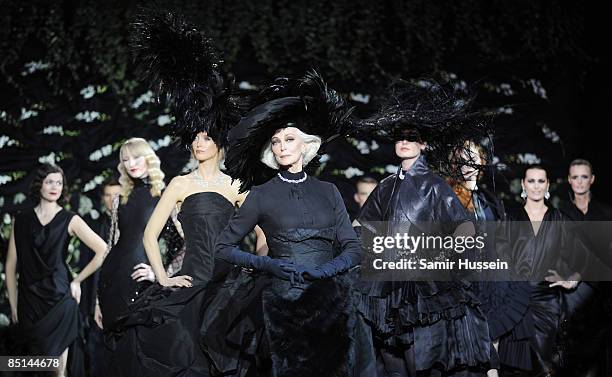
column 292, row 180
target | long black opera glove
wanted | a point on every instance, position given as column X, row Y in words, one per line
column 277, row 267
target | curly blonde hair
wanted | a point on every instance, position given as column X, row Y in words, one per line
column 140, row 147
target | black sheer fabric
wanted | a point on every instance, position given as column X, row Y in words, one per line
column 49, row 318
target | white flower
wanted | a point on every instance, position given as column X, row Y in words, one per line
column 391, row 168
column 5, row 178
column 1, row 201
column 164, row 119
column 324, row 158
column 6, row 219
column 160, row 143
column 528, row 158
column 94, row 214
column 505, row 89
column 6, row 141
column 88, row 92
column 32, row 67
column 515, row 186
column 358, row 97
column 85, row 205
column 102, row 152
column 505, row 110
column 374, row 146
column 350, row 172
column 19, row 198
column 550, row 134
column 460, row 85
column 48, row 159
column 537, row 88
column 452, row 76
column 87, row 116
column 145, row 97
column 245, row 85
column 363, row 147
column 50, row 130
column 3, row 115
column 25, row 114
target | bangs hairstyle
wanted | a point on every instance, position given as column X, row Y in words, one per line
column 313, row 143
column 139, row 147
column 39, row 178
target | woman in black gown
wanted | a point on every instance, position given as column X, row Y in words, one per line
column 544, row 252
column 161, row 333
column 307, row 306
column 142, row 182
column 44, row 303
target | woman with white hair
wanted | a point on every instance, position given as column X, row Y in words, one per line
column 307, row 309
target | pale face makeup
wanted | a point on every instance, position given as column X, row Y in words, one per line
column 51, row 188
column 203, row 147
column 535, row 184
column 580, row 179
column 472, row 157
column 288, row 148
column 136, row 166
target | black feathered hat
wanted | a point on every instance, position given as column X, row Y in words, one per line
column 307, row 104
column 429, row 112
column 184, row 69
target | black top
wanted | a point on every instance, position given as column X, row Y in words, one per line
column 597, row 211
column 203, row 217
column 117, row 289
column 285, row 211
column 553, row 247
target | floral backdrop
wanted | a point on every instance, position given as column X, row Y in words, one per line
column 70, row 96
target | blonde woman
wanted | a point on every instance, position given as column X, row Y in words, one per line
column 142, row 182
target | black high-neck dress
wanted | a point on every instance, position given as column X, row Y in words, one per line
column 49, row 317
column 160, row 335
column 309, row 326
column 116, row 288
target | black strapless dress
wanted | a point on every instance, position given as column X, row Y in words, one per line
column 161, row 333
column 49, row 318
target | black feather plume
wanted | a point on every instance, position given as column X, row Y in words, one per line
column 183, row 67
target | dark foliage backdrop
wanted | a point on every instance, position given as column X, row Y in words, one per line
column 69, row 93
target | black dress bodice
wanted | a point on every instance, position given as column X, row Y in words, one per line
column 203, row 217
column 301, row 221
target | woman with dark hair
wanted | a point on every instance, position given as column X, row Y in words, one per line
column 505, row 303
column 44, row 301
column 308, row 312
column 542, row 250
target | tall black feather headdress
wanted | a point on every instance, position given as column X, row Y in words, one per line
column 439, row 115
column 307, row 104
column 183, row 67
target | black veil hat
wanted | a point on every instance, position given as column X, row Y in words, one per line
column 184, row 69
column 306, row 103
column 439, row 115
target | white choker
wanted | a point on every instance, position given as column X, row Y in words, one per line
column 292, row 180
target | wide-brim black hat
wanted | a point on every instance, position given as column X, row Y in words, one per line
column 307, row 104
column 426, row 111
